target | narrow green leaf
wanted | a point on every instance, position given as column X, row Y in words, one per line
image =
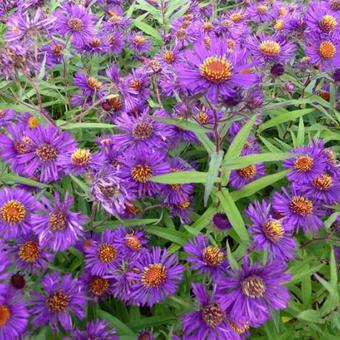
column 233, row 214
column 121, row 327
column 148, row 30
column 214, row 166
column 81, row 184
column 168, row 234
column 15, row 179
column 284, row 117
column 327, row 285
column 300, row 139
column 309, row 315
column 151, row 322
column 257, row 185
column 127, row 223
column 73, row 126
column 233, row 263
column 181, row 177
column 333, row 270
column 236, row 146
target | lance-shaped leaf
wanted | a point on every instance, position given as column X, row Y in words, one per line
column 181, row 177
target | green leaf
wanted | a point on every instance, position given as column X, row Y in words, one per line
column 81, row 184
column 327, row 285
column 14, row 179
column 257, row 185
column 236, row 146
column 244, row 161
column 148, row 30
column 121, row 327
column 211, row 178
column 233, row 263
column 309, row 315
column 72, row 126
column 181, row 177
column 151, row 322
column 300, row 139
column 333, row 270
column 233, row 214
column 168, row 234
column 284, row 117
column 127, row 223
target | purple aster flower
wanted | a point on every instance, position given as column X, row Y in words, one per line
column 221, row 221
column 182, row 209
column 97, row 44
column 210, row 320
column 89, row 85
column 4, row 268
column 214, row 70
column 61, row 296
column 146, row 335
column 324, row 188
column 6, row 117
column 13, row 315
column 260, row 12
column 205, row 258
column 80, row 161
column 17, row 209
column 253, row 291
column 298, row 210
column 142, row 132
column 97, row 286
column 47, row 144
column 131, row 241
column 139, row 43
column 239, row 178
column 76, row 22
column 102, row 256
column 115, row 41
column 308, row 163
column 57, row 224
column 98, row 329
column 28, row 122
column 270, row 49
column 112, row 190
column 53, row 52
column 322, row 20
column 116, row 19
column 323, row 51
column 142, row 165
column 30, row 253
column 157, row 276
column 270, row 233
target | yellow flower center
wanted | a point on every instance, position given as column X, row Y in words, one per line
column 301, row 206
column 279, row 25
column 273, row 230
column 141, row 173
column 33, row 122
column 231, row 44
column 327, row 49
column 323, row 182
column 169, row 57
column 262, row 9
column 216, row 69
column 139, row 40
column 270, row 48
column 5, row 315
column 283, row 11
column 29, row 251
column 154, row 275
column 202, row 117
column 236, row 17
column 107, row 253
column 47, row 152
column 213, row 256
column 237, row 329
column 212, row 315
column 13, row 211
column 247, row 172
column 99, row 286
column 81, row 157
column 132, row 242
column 184, row 204
column 328, row 23
column 254, row 286
column 94, row 84
column 58, row 302
column 304, row 163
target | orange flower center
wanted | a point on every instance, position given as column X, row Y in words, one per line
column 132, row 242
column 212, row 256
column 75, row 24
column 141, row 173
column 237, row 329
column 216, row 69
column 253, row 286
column 139, row 40
column 169, row 57
column 327, row 49
column 57, row 221
column 29, row 251
column 99, row 286
column 262, row 9
column 94, row 84
column 247, row 172
column 5, row 315
column 58, row 302
column 328, row 23
column 33, row 122
column 273, row 230
column 154, row 275
column 323, row 182
column 184, row 204
column 81, row 157
column 301, row 206
column 57, row 49
column 142, row 131
column 212, row 315
column 270, row 48
column 304, row 163
column 95, row 42
column 202, row 117
column 47, row 152
column 13, row 211
column 22, row 146
column 236, row 17
column 107, row 253
column 136, row 84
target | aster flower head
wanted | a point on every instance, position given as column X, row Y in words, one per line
column 57, row 224
column 13, row 314
column 323, row 51
column 47, row 144
column 214, row 71
column 17, row 209
column 6, row 117
column 102, row 256
column 116, row 19
column 61, row 296
column 75, row 21
column 260, row 12
column 97, row 287
column 221, row 222
column 115, row 41
column 89, row 85
column 31, row 254
column 139, row 43
column 97, row 329
column 142, row 132
column 204, row 257
column 53, row 52
column 253, row 291
column 270, row 233
column 112, row 190
column 297, row 210
column 210, row 320
column 157, row 275
column 131, row 241
column 270, row 49
column 141, row 166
